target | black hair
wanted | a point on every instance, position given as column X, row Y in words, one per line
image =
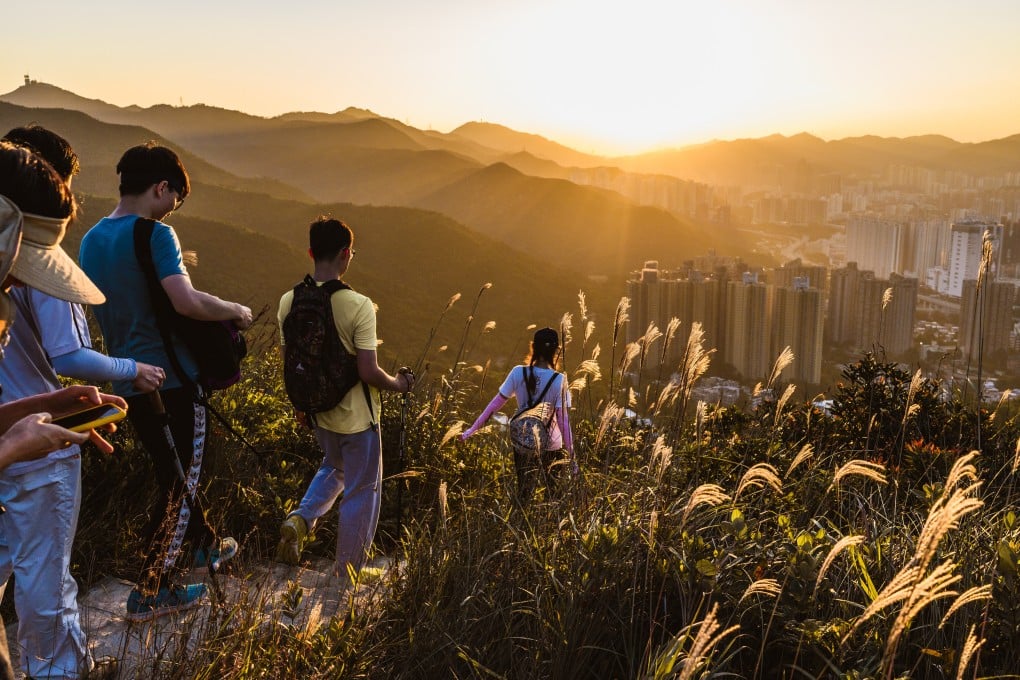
column 545, row 346
column 327, row 236
column 52, row 147
column 32, row 184
column 146, row 164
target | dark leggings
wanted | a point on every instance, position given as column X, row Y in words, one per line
column 175, row 518
column 529, row 472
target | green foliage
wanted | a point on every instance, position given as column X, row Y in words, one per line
column 741, row 543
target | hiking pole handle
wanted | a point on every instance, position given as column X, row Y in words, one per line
column 156, row 401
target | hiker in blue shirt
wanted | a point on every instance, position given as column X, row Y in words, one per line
column 154, row 183
column 536, row 381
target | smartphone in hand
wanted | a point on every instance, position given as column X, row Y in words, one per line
column 91, row 417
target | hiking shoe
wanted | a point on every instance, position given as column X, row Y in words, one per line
column 293, row 533
column 217, row 557
column 166, row 601
column 104, row 668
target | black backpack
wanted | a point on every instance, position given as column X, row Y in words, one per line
column 217, row 346
column 318, row 371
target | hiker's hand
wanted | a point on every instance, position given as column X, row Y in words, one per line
column 302, row 419
column 75, row 398
column 149, row 378
column 243, row 318
column 33, row 437
column 408, row 375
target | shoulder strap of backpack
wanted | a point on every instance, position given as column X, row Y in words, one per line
column 541, row 396
column 161, row 304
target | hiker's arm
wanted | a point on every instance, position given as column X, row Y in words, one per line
column 197, row 304
column 87, row 364
column 494, row 405
column 371, row 374
column 33, row 437
column 59, row 403
column 563, row 419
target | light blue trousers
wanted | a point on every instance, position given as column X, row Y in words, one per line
column 36, row 534
column 351, row 465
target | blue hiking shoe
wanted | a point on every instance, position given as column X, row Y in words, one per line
column 166, row 601
column 217, row 557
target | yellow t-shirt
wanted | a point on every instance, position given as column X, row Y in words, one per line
column 354, row 317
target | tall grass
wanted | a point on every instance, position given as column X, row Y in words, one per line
column 885, row 549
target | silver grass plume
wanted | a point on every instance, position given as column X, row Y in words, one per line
column 444, row 507
column 887, row 295
column 760, row 475
column 707, row 639
column 974, row 594
column 662, row 455
column 970, row 647
column 862, row 468
column 763, row 586
column 806, row 452
column 782, row 362
column 787, row 393
column 841, row 545
column 707, row 494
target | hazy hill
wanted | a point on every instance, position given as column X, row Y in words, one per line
column 100, row 145
column 252, row 247
column 592, row 231
column 756, row 161
column 511, row 141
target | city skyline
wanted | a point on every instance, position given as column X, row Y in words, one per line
column 590, row 75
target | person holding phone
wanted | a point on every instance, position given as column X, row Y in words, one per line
column 40, row 486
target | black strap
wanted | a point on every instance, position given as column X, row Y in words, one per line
column 540, row 397
column 163, row 308
column 160, row 301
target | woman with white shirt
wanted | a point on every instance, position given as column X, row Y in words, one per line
column 532, row 383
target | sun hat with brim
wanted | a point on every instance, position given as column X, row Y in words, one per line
column 43, row 264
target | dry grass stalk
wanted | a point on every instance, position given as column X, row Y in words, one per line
column 444, row 507
column 671, row 328
column 806, row 453
column 653, row 523
column 582, row 304
column 970, row 647
column 706, row 640
column 911, row 408
column 589, row 329
column 566, row 325
column 1016, row 456
column 783, row 362
column 935, row 586
column 787, row 393
column 763, row 586
column 662, row 455
column 621, row 318
column 974, row 594
column 886, row 297
column 630, row 352
column 452, row 432
column 706, row 494
column 841, row 545
column 759, row 475
column 863, row 468
column 611, row 415
column 700, row 412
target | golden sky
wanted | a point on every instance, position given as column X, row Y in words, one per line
column 611, row 78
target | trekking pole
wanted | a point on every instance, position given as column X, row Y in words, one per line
column 401, row 459
column 156, row 401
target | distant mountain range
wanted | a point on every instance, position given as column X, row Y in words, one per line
column 438, row 213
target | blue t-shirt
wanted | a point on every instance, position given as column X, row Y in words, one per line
column 127, row 318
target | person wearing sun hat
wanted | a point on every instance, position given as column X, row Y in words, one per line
column 41, row 495
column 535, row 381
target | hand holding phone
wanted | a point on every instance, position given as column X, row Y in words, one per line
column 91, row 418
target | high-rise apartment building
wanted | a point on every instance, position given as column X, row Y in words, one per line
column 748, row 314
column 884, row 314
column 986, row 318
column 797, row 322
column 841, row 322
column 965, row 252
column 874, row 243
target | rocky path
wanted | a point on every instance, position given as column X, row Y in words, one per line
column 295, row 596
